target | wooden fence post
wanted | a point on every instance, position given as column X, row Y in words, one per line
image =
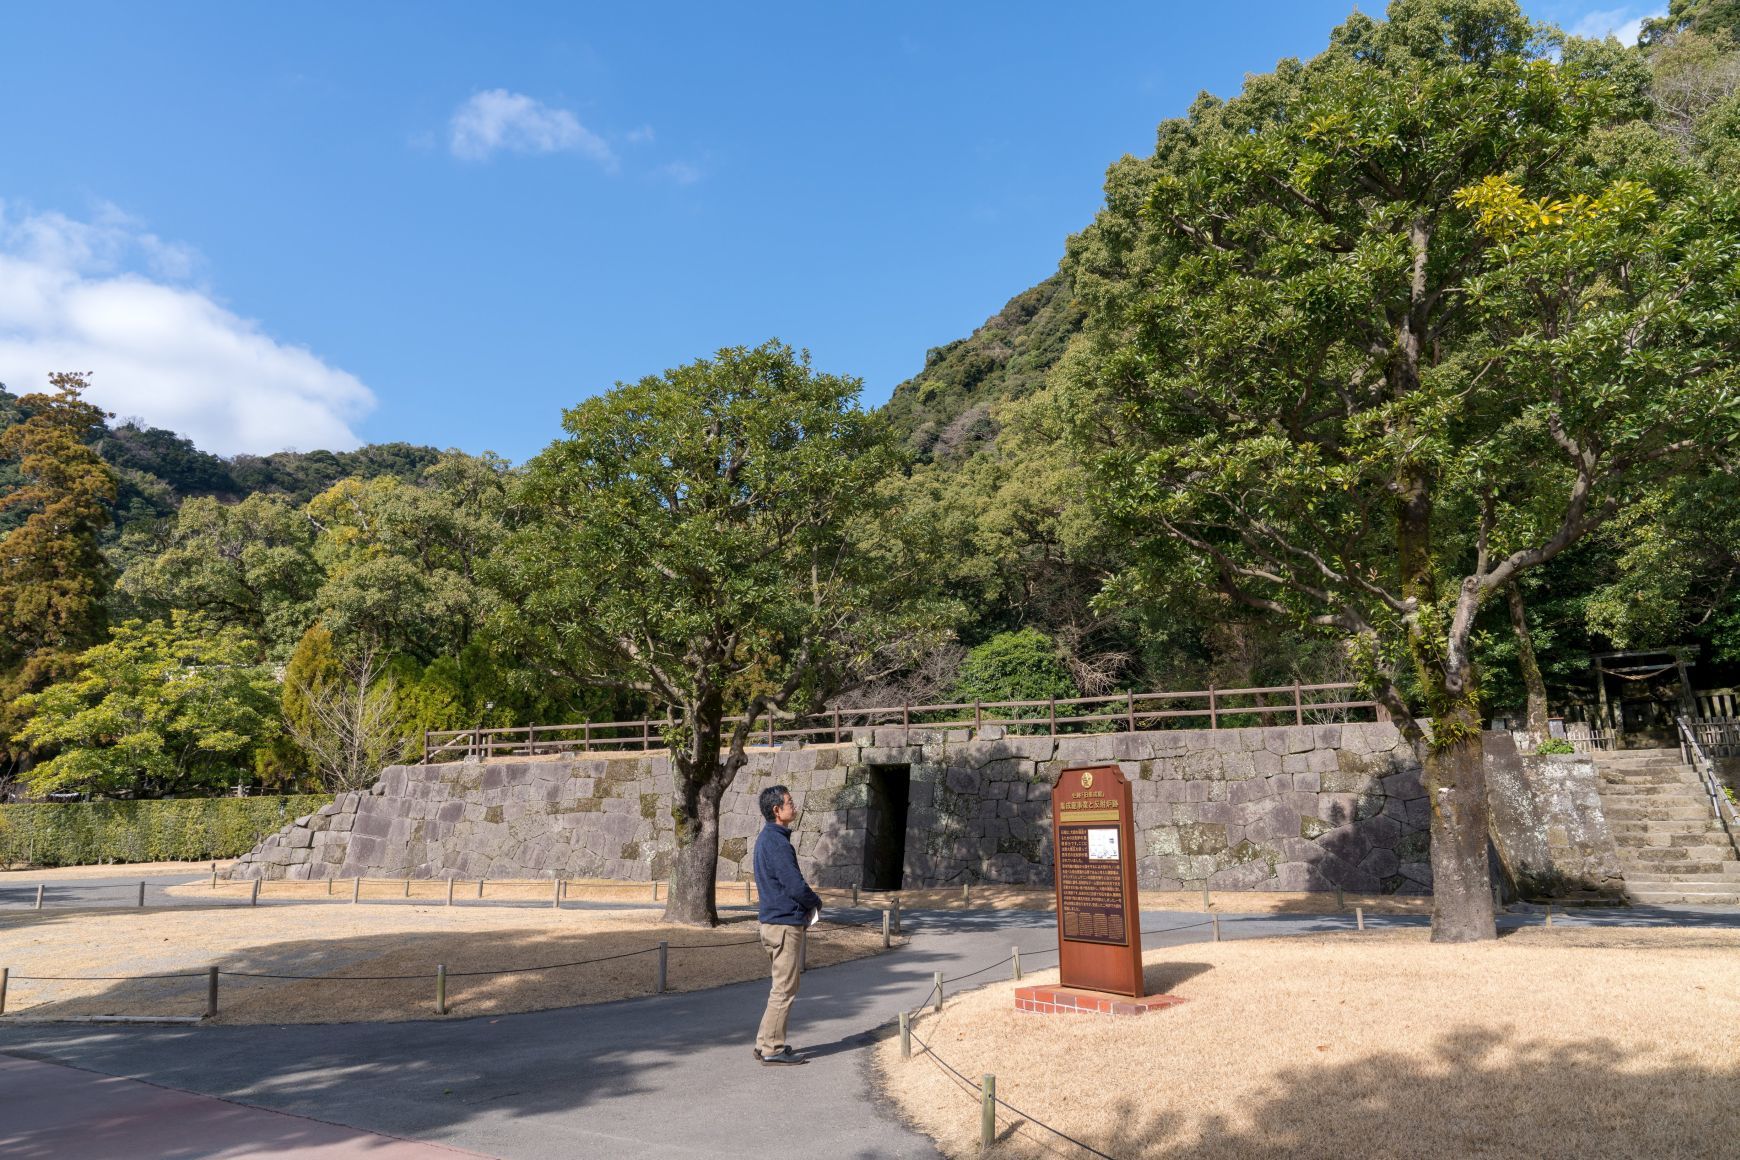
column 5, row 974
column 1053, row 716
column 1130, row 711
column 1298, row 705
column 988, row 1113
column 664, row 961
column 211, row 984
column 905, row 1035
column 1213, row 709
column 1015, row 957
column 440, row 988
column 255, row 900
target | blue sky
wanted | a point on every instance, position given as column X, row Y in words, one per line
column 318, row 224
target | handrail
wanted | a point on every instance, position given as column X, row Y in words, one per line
column 1692, row 750
column 1119, row 712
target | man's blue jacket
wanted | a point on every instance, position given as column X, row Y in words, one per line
column 786, row 899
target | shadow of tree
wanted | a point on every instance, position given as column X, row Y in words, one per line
column 1471, row 1092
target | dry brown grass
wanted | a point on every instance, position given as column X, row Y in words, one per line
column 1564, row 1042
column 1223, row 901
column 343, row 941
column 12, row 876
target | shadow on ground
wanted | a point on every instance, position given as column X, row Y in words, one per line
column 1488, row 1092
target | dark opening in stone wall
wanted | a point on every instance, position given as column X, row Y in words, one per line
column 889, row 790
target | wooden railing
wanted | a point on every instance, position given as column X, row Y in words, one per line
column 1718, row 736
column 1695, row 753
column 1585, row 738
column 1123, row 712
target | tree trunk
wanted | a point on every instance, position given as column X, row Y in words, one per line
column 701, row 779
column 1525, row 659
column 692, row 901
column 1462, row 908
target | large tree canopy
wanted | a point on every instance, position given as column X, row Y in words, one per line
column 708, row 538
column 1373, row 339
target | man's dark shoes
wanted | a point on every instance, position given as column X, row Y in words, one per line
column 782, row 1047
column 783, row 1055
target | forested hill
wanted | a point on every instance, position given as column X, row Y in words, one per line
column 945, row 411
column 157, row 469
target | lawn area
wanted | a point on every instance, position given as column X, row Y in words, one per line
column 342, row 941
column 1572, row 1042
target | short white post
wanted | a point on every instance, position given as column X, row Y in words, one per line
column 440, row 988
column 556, row 893
column 450, row 890
column 664, row 963
column 905, row 1035
column 854, row 894
column 214, row 875
column 255, row 899
column 211, row 981
column 1206, row 905
column 39, row 889
column 1015, row 957
column 1216, row 928
column 939, row 990
column 356, row 889
column 885, row 929
column 747, row 897
column 1549, row 914
column 5, row 974
column 407, row 886
column 480, row 888
column 329, row 886
column 966, row 892
column 1359, row 917
column 141, row 894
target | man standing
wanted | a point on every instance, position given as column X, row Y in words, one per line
column 786, row 905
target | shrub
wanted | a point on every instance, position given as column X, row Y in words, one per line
column 1555, row 745
column 171, row 830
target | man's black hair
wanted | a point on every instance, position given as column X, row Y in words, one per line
column 770, row 799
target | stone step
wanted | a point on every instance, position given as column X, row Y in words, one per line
column 1684, row 897
column 1676, row 789
column 1700, row 881
column 1677, row 853
column 1678, row 871
column 1667, row 840
column 1651, row 777
column 1646, row 811
column 1670, row 826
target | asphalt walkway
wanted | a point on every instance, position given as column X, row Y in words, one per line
column 662, row 1076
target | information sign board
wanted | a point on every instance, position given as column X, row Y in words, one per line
column 1093, row 843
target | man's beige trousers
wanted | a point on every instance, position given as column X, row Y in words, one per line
column 781, row 944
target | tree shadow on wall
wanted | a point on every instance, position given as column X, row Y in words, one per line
column 1486, row 1092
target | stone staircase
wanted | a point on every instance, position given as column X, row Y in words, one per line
column 1671, row 845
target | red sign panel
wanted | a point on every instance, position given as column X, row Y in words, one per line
column 1093, row 842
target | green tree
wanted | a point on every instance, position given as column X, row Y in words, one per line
column 53, row 581
column 403, row 561
column 1376, row 338
column 162, row 707
column 1015, row 666
column 704, row 538
column 250, row 565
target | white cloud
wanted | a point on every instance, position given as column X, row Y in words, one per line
column 107, row 297
column 498, row 121
column 641, row 136
column 1625, row 24
column 680, row 172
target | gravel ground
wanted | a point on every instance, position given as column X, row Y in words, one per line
column 1574, row 1041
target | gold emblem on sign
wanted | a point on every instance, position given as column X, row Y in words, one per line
column 1087, row 780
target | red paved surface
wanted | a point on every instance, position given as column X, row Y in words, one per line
column 1068, row 1001
column 47, row 1110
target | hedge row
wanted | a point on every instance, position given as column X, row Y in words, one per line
column 178, row 830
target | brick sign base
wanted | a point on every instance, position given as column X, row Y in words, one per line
column 1069, row 1001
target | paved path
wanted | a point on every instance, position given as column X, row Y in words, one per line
column 125, row 1119
column 665, row 1076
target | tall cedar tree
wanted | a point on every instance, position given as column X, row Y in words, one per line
column 1377, row 337
column 711, row 539
column 53, row 579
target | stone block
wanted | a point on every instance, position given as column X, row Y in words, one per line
column 1202, row 838
column 1264, row 763
column 1320, row 761
column 1307, row 782
column 1295, row 763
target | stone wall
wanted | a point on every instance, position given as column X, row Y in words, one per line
column 1548, row 826
column 1284, row 808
